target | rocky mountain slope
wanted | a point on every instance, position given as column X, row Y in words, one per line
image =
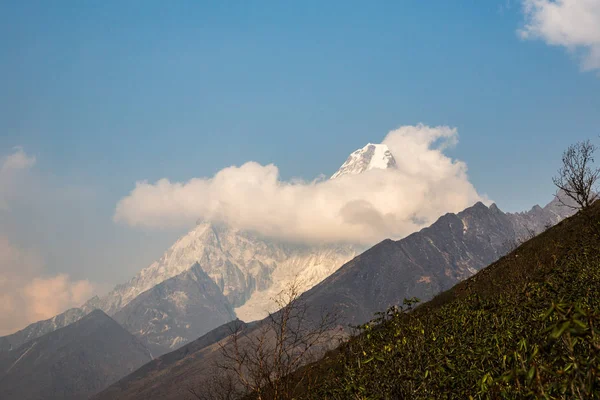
column 430, row 261
column 527, row 324
column 71, row 363
column 176, row 311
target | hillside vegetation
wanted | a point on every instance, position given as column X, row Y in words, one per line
column 525, row 327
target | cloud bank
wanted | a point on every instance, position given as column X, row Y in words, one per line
column 573, row 24
column 361, row 208
column 26, row 296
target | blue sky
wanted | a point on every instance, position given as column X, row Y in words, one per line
column 108, row 93
column 113, row 92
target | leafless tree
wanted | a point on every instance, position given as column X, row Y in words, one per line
column 263, row 362
column 272, row 360
column 576, row 178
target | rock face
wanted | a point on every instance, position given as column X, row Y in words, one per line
column 176, row 311
column 427, row 262
column 74, row 362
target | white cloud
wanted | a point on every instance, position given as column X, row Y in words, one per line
column 27, row 296
column 17, row 160
column 354, row 208
column 10, row 168
column 574, row 24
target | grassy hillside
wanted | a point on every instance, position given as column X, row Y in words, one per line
column 525, row 327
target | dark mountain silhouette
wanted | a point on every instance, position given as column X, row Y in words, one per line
column 73, row 362
column 183, row 366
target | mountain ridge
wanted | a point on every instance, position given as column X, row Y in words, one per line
column 429, row 261
column 72, row 362
column 249, row 269
column 423, row 264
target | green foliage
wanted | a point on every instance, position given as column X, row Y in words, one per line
column 534, row 335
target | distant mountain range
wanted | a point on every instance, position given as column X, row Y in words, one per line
column 248, row 269
column 162, row 304
column 423, row 264
column 73, row 362
column 215, row 273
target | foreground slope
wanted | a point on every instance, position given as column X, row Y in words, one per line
column 525, row 327
column 71, row 363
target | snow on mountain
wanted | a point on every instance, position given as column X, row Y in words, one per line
column 305, row 267
column 239, row 262
column 372, row 156
column 248, row 269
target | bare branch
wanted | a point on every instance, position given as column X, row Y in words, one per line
column 270, row 360
column 576, row 178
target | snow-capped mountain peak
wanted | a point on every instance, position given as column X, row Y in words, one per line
column 372, row 156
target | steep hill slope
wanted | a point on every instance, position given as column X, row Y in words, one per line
column 524, row 327
column 71, row 363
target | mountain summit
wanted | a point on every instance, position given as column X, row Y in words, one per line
column 372, row 156
column 167, row 304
